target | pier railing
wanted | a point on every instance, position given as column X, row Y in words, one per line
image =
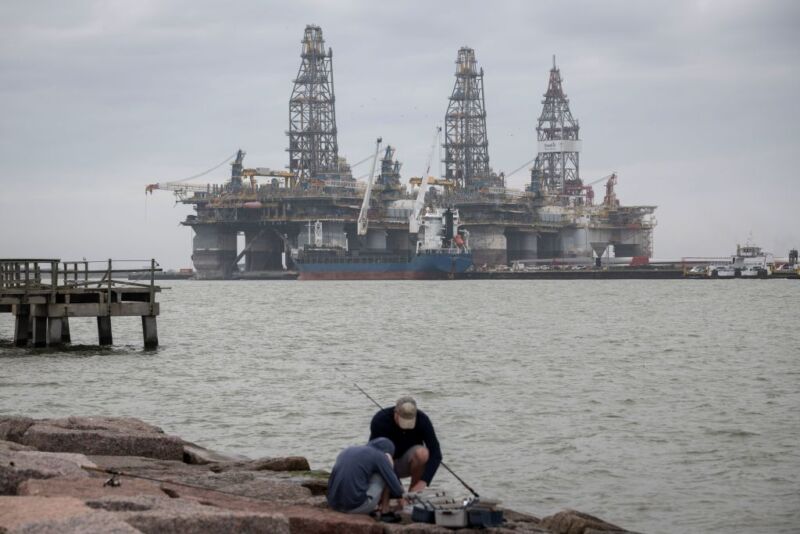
column 49, row 274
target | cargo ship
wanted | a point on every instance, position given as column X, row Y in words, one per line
column 441, row 252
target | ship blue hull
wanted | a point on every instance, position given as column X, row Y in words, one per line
column 422, row 267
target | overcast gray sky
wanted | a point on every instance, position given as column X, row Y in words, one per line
column 693, row 103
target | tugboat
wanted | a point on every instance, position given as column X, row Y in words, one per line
column 749, row 262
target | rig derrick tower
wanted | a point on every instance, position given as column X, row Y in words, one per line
column 313, row 148
column 556, row 169
column 466, row 144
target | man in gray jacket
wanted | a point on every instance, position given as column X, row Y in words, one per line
column 363, row 478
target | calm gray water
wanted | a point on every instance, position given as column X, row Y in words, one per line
column 663, row 406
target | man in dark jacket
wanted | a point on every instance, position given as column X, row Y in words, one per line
column 362, row 478
column 416, row 449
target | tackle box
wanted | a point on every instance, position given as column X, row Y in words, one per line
column 455, row 517
column 484, row 517
column 420, row 514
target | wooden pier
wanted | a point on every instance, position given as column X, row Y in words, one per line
column 44, row 293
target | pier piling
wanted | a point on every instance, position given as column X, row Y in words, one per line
column 22, row 325
column 150, row 331
column 39, row 331
column 54, row 331
column 65, row 336
column 104, row 336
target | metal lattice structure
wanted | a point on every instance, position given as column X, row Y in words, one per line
column 466, row 145
column 557, row 169
column 389, row 177
column 313, row 148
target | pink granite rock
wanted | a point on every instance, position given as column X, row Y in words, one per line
column 574, row 522
column 56, row 515
column 18, row 466
column 103, row 436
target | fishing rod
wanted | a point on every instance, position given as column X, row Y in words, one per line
column 376, row 403
column 113, row 482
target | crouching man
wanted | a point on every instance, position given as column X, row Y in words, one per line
column 417, row 453
column 363, row 478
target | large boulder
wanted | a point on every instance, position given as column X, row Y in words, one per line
column 18, row 466
column 288, row 463
column 197, row 455
column 12, row 427
column 307, row 520
column 103, row 436
column 574, row 522
column 56, row 515
column 88, row 488
column 140, row 465
column 246, row 483
column 160, row 514
column 209, row 521
column 13, row 446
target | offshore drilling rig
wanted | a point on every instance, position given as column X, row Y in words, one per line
column 317, row 202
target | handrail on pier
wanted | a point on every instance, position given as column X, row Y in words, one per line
column 51, row 276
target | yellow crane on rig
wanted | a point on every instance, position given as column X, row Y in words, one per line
column 238, row 172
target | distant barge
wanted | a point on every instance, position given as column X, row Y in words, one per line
column 568, row 274
column 611, row 274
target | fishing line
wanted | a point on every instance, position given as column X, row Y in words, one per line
column 376, row 403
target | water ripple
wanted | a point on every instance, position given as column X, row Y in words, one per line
column 645, row 402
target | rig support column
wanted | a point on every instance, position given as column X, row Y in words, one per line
column 104, row 330
column 214, row 251
column 257, row 256
column 22, row 325
column 488, row 244
column 150, row 331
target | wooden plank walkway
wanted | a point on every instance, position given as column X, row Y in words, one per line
column 44, row 293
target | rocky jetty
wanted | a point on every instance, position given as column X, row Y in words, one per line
column 54, row 478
